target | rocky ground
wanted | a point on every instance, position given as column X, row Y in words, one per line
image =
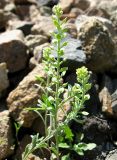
column 25, row 27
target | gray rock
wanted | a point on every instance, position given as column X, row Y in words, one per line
column 4, row 82
column 47, row 2
column 6, row 135
column 24, row 26
column 73, row 54
column 95, row 38
column 24, row 96
column 13, row 50
column 112, row 155
column 33, row 41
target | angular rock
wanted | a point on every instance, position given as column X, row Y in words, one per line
column 3, row 3
column 33, row 41
column 4, row 82
column 112, row 155
column 24, row 26
column 25, row 96
column 6, row 136
column 43, row 26
column 13, row 50
column 73, row 54
column 28, row 12
column 49, row 3
column 66, row 5
column 24, row 1
column 108, row 97
column 95, row 37
column 82, row 4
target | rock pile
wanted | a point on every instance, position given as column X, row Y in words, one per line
column 25, row 27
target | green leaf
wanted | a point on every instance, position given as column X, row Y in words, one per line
column 68, row 133
column 91, row 146
column 64, row 145
column 85, row 113
column 65, row 157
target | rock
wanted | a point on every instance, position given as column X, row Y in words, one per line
column 112, row 155
column 108, row 97
column 4, row 82
column 77, row 12
column 73, row 54
column 3, row 3
column 71, row 29
column 22, row 144
column 49, row 3
column 2, row 20
column 26, row 12
column 24, row 26
column 24, row 96
column 38, row 53
column 66, row 5
column 95, row 37
column 43, row 26
column 45, row 11
column 82, row 4
column 24, row 2
column 6, row 136
column 13, row 50
column 33, row 41
column 10, row 8
column 94, row 11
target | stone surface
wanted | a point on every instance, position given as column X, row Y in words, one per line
column 66, row 5
column 6, row 135
column 24, row 1
column 43, row 26
column 112, row 155
column 24, row 26
column 95, row 38
column 82, row 4
column 49, row 3
column 13, row 50
column 4, row 82
column 73, row 54
column 24, row 96
column 33, row 41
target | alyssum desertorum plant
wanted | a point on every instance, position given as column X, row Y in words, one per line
column 52, row 99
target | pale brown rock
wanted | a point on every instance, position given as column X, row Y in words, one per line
column 33, row 41
column 24, row 96
column 82, row 4
column 13, row 50
column 66, row 5
column 4, row 82
column 95, row 37
column 43, row 26
column 6, row 136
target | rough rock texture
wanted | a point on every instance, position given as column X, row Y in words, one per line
column 44, row 26
column 24, row 96
column 24, row 26
column 66, row 5
column 13, row 50
column 82, row 4
column 112, row 155
column 95, row 38
column 6, row 135
column 47, row 2
column 73, row 54
column 33, row 41
column 4, row 82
